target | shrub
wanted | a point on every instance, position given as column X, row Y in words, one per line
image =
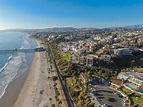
column 53, row 105
column 55, row 78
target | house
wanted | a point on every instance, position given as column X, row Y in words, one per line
column 122, row 51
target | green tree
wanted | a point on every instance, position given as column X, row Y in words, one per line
column 53, row 105
column 55, row 78
column 60, row 102
column 50, row 99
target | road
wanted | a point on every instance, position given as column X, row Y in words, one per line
column 67, row 96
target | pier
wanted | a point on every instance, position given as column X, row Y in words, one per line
column 23, row 50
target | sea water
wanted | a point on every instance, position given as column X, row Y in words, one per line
column 13, row 65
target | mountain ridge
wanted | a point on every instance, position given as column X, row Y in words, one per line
column 59, row 29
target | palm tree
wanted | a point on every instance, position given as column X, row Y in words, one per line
column 53, row 105
column 60, row 102
column 50, row 99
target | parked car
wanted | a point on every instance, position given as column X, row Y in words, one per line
column 125, row 104
column 117, row 93
column 105, row 105
column 93, row 90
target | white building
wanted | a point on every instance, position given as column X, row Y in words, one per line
column 132, row 77
column 122, row 51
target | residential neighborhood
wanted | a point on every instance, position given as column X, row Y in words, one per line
column 105, row 66
column 71, row 53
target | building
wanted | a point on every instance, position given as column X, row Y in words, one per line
column 89, row 60
column 122, row 51
column 132, row 77
column 74, row 58
column 106, row 58
column 82, row 60
column 116, row 83
column 123, row 76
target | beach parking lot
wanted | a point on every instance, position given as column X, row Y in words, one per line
column 105, row 95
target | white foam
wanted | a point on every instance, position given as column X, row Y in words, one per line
column 10, row 69
column 26, row 44
column 9, row 57
column 3, row 67
column 6, row 64
column 2, row 90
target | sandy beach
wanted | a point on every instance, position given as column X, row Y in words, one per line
column 26, row 95
column 38, row 88
column 15, row 87
column 35, row 87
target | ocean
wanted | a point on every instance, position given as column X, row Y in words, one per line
column 13, row 65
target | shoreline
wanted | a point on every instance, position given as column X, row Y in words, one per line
column 35, row 87
column 13, row 89
column 25, row 96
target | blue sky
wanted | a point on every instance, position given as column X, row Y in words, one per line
column 70, row 13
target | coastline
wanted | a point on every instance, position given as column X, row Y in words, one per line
column 39, row 88
column 14, row 88
column 25, row 96
column 35, row 87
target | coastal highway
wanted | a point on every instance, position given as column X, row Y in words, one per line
column 62, row 81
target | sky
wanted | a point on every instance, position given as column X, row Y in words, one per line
column 70, row 13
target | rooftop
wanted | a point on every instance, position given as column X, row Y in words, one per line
column 133, row 74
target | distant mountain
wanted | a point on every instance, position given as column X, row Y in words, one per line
column 69, row 29
column 59, row 29
column 29, row 31
column 134, row 27
column 55, row 29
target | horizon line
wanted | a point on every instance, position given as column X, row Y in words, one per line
column 69, row 27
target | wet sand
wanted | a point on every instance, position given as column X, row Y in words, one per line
column 35, row 87
column 12, row 91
